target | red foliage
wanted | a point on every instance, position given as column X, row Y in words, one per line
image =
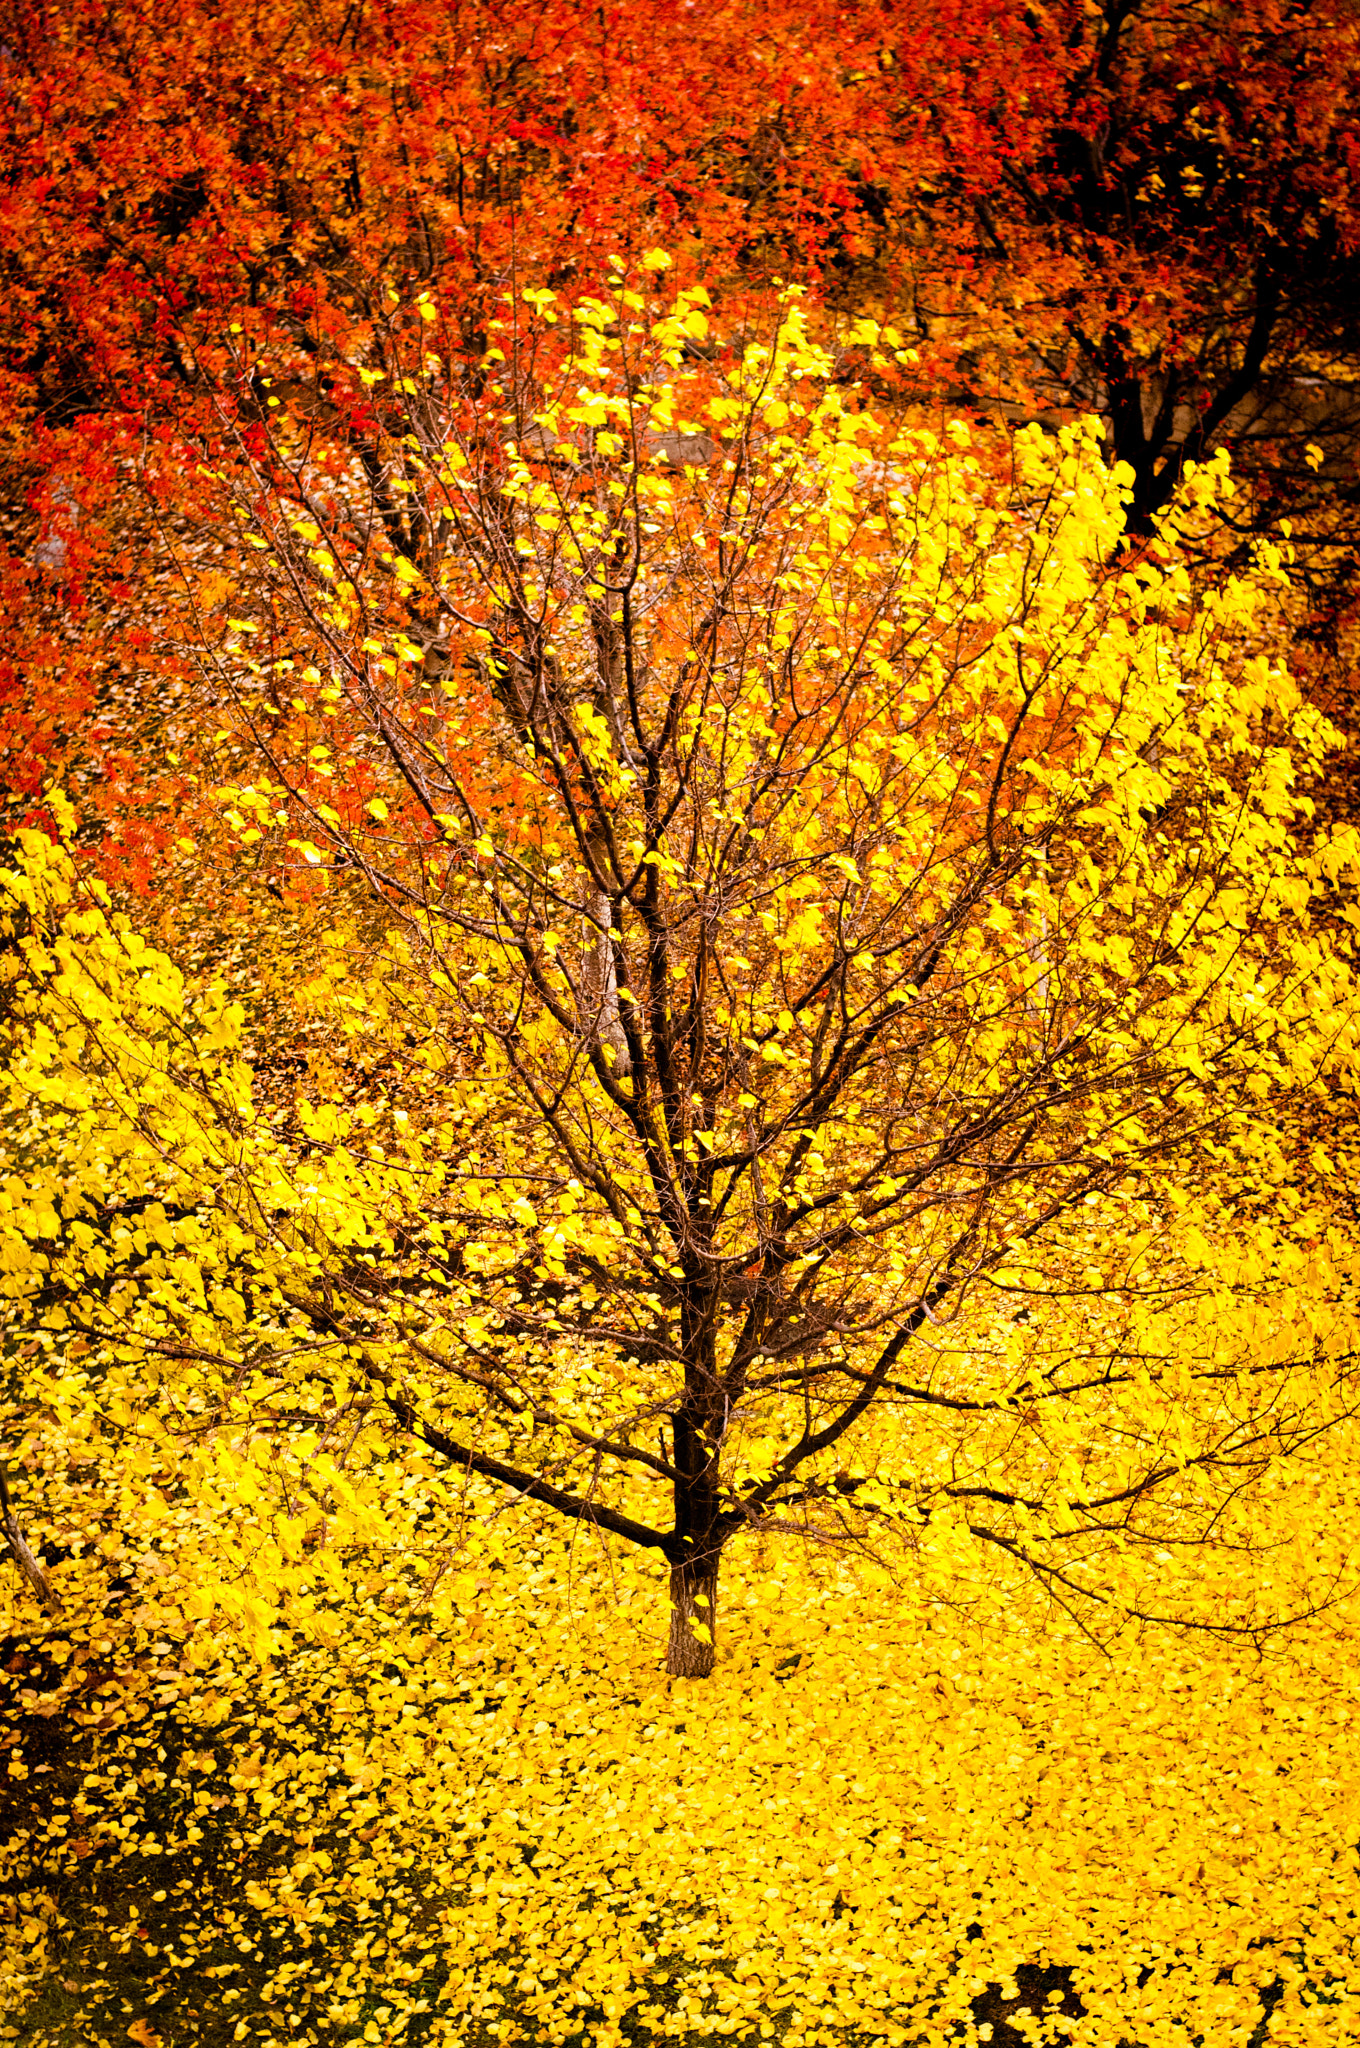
column 1147, row 208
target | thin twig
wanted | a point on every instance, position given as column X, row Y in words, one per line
column 16, row 1544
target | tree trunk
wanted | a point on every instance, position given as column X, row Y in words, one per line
column 694, row 1618
column 599, row 986
column 696, row 1440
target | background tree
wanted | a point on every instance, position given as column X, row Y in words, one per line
column 298, row 169
column 1160, row 224
column 1146, row 210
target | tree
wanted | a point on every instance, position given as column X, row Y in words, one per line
column 807, row 883
column 296, row 170
column 1161, row 227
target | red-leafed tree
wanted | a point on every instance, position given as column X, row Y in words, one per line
column 1158, row 219
column 190, row 192
column 1143, row 209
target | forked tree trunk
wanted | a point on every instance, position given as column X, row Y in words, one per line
column 694, row 1618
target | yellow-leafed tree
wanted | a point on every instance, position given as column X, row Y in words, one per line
column 806, row 910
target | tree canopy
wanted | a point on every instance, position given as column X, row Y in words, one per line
column 844, row 878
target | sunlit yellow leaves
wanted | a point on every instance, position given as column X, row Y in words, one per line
column 870, row 1759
